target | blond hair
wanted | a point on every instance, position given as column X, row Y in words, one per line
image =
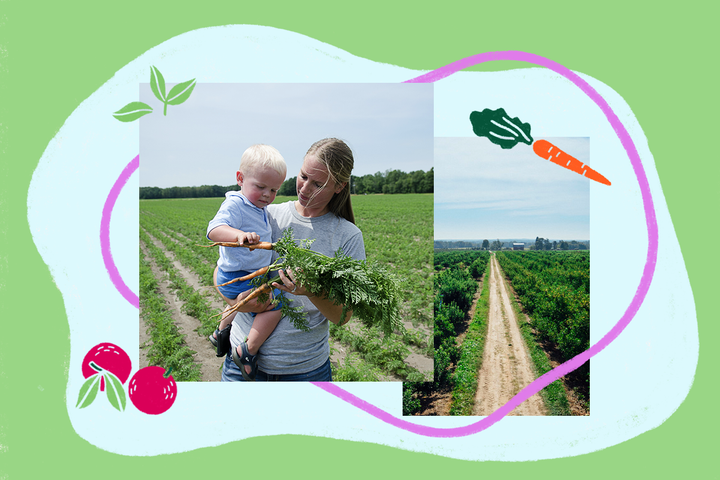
column 337, row 157
column 262, row 156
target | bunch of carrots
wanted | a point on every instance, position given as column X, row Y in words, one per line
column 363, row 287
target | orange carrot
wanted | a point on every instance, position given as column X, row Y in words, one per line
column 264, row 288
column 256, row 273
column 260, row 245
column 220, row 244
column 548, row 151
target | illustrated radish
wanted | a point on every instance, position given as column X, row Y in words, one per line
column 106, row 367
column 152, row 390
column 108, row 357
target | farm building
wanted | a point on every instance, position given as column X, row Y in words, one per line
column 518, row 246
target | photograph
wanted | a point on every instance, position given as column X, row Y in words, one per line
column 325, row 192
column 512, row 279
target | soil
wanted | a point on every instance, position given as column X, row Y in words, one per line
column 205, row 355
column 417, row 359
column 436, row 403
column 506, row 367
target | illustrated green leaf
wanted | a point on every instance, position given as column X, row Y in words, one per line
column 115, row 391
column 132, row 111
column 499, row 128
column 180, row 92
column 157, row 83
column 88, row 391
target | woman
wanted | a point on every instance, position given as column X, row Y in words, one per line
column 322, row 212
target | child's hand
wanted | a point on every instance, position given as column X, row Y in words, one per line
column 248, row 238
column 254, row 306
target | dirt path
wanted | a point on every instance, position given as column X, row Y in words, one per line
column 506, row 366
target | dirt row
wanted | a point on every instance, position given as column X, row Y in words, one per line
column 205, row 353
column 204, row 356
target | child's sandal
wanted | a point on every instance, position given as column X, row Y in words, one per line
column 245, row 360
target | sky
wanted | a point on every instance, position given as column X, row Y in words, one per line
column 200, row 142
column 485, row 192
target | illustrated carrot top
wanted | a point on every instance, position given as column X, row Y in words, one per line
column 502, row 130
column 507, row 132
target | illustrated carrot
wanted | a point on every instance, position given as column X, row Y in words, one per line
column 250, row 276
column 548, row 151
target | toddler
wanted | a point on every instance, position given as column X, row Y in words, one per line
column 243, row 218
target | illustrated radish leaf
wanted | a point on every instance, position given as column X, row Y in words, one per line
column 115, row 391
column 132, row 111
column 88, row 391
column 499, row 128
column 180, row 92
column 157, row 84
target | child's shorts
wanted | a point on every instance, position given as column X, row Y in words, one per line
column 234, row 289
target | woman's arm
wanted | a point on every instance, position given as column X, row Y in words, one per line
column 329, row 310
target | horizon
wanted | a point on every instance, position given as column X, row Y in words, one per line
column 287, row 178
column 508, row 239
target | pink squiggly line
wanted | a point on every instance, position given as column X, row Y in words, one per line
column 539, row 383
column 110, row 266
column 624, row 321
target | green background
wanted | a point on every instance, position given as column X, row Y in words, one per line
column 54, row 55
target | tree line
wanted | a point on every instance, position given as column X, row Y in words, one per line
column 388, row 182
column 540, row 244
column 545, row 244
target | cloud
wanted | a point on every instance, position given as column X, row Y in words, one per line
column 482, row 187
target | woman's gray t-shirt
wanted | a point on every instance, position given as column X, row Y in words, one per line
column 289, row 350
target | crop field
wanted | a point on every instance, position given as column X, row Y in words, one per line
column 457, row 335
column 503, row 319
column 178, row 303
column 554, row 289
